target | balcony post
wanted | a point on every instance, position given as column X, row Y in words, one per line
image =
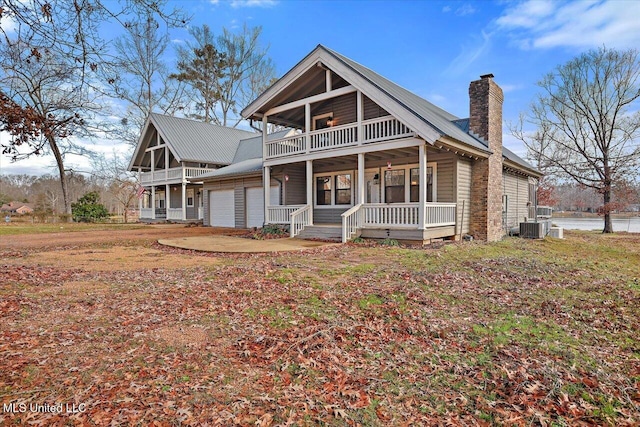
column 310, row 189
column 307, row 127
column 422, row 187
column 140, row 198
column 166, row 163
column 359, row 115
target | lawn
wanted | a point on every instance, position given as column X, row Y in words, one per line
column 518, row 332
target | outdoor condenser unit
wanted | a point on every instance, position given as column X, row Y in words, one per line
column 532, row 230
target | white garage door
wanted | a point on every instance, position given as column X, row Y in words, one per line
column 255, row 207
column 221, row 208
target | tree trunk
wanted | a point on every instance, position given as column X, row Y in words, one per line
column 608, row 225
column 63, row 177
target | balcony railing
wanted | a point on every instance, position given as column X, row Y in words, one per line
column 373, row 130
column 172, row 174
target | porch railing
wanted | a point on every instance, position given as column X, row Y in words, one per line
column 391, row 215
column 540, row 211
column 299, row 219
column 351, row 222
column 373, row 130
column 338, row 136
column 286, row 146
column 281, row 214
column 146, row 213
column 440, row 214
column 382, row 128
column 174, row 214
column 396, row 215
column 172, row 174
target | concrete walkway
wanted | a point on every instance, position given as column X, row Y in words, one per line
column 239, row 244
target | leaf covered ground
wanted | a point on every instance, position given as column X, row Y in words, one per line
column 131, row 333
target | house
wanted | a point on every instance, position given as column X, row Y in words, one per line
column 368, row 158
column 171, row 154
column 14, row 207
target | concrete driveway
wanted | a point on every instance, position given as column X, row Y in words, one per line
column 239, row 244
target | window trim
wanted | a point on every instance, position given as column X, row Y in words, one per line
column 192, row 196
column 407, row 182
column 333, row 175
column 318, row 117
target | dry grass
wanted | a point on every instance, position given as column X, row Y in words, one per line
column 512, row 333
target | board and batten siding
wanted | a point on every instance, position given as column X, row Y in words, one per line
column 516, row 188
column 463, row 189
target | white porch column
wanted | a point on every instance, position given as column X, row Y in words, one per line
column 310, row 189
column 184, row 200
column 153, row 201
column 153, row 187
column 140, row 198
column 422, row 186
column 167, row 200
column 266, row 179
column 361, row 186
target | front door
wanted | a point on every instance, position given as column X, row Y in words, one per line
column 372, row 182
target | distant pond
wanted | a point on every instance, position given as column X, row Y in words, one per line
column 631, row 225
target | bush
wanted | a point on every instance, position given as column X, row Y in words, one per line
column 88, row 208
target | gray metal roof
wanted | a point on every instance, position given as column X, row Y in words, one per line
column 195, row 141
column 241, row 168
column 432, row 115
column 252, row 148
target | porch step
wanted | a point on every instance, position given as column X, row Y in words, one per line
column 324, row 232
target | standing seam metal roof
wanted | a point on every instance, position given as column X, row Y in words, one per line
column 196, row 141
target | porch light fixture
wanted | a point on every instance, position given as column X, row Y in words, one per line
column 389, row 165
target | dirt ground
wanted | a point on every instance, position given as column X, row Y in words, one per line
column 82, row 238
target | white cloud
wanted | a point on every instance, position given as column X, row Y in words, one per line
column 253, row 3
column 469, row 55
column 8, row 25
column 465, row 9
column 535, row 24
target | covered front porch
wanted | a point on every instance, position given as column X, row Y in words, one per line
column 405, row 193
column 182, row 203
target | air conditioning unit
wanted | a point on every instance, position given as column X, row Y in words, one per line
column 533, row 230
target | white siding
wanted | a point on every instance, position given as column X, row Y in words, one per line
column 516, row 188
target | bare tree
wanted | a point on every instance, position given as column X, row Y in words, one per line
column 51, row 59
column 140, row 77
column 225, row 73
column 588, row 124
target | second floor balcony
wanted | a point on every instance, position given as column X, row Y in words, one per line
column 172, row 175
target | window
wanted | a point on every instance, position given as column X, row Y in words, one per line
column 415, row 181
column 394, row 186
column 322, row 121
column 190, row 197
column 343, row 189
column 323, row 190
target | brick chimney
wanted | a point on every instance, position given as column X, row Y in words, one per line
column 485, row 121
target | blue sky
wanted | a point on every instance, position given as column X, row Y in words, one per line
column 433, row 48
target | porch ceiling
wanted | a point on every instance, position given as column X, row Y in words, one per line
column 312, row 82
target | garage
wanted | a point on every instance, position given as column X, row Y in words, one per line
column 221, row 208
column 255, row 207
